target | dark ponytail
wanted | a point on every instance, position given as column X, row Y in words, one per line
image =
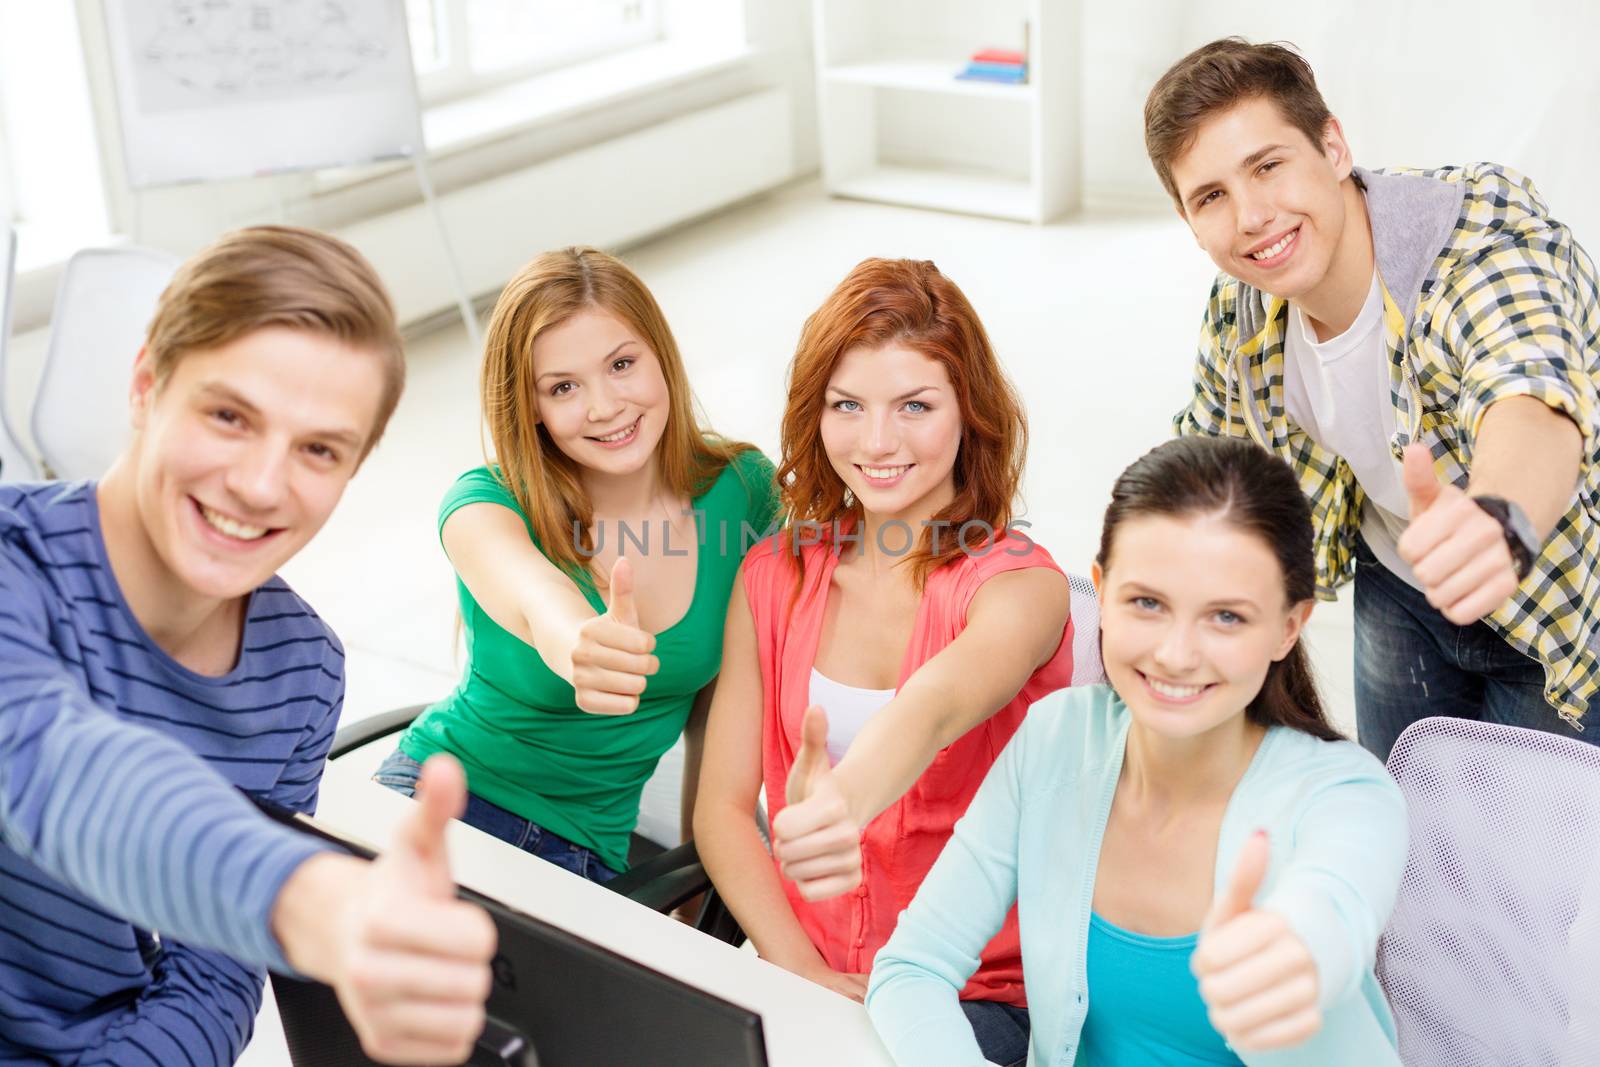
column 1258, row 493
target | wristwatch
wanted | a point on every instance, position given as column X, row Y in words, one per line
column 1521, row 538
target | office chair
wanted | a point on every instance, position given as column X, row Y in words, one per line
column 103, row 307
column 1491, row 956
column 1087, row 668
column 15, row 463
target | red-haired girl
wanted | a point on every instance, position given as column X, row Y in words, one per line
column 897, row 629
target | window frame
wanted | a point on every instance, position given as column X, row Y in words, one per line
column 457, row 79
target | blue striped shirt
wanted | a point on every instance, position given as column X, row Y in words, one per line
column 110, row 827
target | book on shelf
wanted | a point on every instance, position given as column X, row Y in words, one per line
column 1008, row 66
column 1005, row 73
column 999, row 55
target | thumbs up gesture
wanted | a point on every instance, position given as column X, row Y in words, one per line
column 815, row 838
column 1456, row 549
column 408, row 960
column 1256, row 976
column 612, row 658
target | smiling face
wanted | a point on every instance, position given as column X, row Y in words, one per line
column 1265, row 203
column 892, row 427
column 1193, row 613
column 240, row 455
column 601, row 395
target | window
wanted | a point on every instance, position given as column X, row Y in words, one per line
column 464, row 46
column 50, row 173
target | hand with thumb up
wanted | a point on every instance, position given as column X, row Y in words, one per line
column 815, row 839
column 1257, row 977
column 1457, row 550
column 408, row 959
column 612, row 658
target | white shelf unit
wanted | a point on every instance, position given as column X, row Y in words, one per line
column 898, row 126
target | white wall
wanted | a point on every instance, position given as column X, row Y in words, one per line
column 1415, row 83
column 183, row 218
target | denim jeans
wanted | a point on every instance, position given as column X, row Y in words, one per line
column 400, row 773
column 1001, row 1030
column 1412, row 662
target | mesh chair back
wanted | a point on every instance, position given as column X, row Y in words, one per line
column 15, row 464
column 1492, row 956
column 103, row 305
column 1086, row 666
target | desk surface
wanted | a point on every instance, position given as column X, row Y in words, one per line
column 804, row 1024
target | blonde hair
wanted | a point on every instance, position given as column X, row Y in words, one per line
column 544, row 480
column 282, row 276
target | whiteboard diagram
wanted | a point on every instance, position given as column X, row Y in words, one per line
column 212, row 89
column 206, row 51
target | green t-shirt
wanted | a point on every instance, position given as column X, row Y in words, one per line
column 513, row 723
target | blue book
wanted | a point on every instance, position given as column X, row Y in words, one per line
column 1012, row 76
column 983, row 66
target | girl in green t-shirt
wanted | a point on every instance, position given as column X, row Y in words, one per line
column 594, row 561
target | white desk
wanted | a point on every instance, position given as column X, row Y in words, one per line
column 805, row 1025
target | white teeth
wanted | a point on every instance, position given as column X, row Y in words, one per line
column 886, row 472
column 620, row 435
column 237, row 530
column 1176, row 692
column 1284, row 242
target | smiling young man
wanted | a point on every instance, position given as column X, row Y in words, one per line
column 151, row 661
column 1421, row 346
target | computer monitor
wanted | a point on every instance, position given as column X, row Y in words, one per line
column 558, row 1000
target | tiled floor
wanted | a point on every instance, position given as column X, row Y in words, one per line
column 1095, row 318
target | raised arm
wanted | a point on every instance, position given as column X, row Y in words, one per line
column 1526, row 416
column 1015, row 624
column 1271, row 965
column 121, row 813
column 917, row 978
column 724, row 817
column 201, row 1005
column 140, row 825
column 606, row 657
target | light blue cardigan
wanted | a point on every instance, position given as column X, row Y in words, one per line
column 1337, row 826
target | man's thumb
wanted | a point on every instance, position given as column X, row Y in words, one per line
column 1249, row 872
column 1422, row 486
column 812, row 758
column 441, row 796
column 622, row 606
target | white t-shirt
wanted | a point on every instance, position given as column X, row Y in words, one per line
column 1338, row 392
column 848, row 708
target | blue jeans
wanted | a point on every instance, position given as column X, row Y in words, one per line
column 400, row 773
column 1412, row 662
column 1001, row 1030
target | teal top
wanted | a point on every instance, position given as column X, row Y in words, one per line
column 1334, row 818
column 515, row 724
column 1144, row 1003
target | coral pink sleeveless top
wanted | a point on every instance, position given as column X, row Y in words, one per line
column 899, row 846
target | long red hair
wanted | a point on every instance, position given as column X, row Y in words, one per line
column 905, row 302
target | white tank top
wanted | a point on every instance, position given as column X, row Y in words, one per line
column 848, row 709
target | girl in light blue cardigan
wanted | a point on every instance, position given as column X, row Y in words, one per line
column 1201, row 866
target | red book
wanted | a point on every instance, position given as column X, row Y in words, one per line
column 999, row 55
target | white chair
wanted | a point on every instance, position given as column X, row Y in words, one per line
column 15, row 463
column 103, row 306
column 1086, row 666
column 1492, row 956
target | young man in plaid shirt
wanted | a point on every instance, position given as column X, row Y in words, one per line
column 1421, row 347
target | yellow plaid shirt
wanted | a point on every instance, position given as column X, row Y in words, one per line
column 1507, row 306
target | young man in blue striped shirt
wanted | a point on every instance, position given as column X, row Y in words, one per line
column 151, row 661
